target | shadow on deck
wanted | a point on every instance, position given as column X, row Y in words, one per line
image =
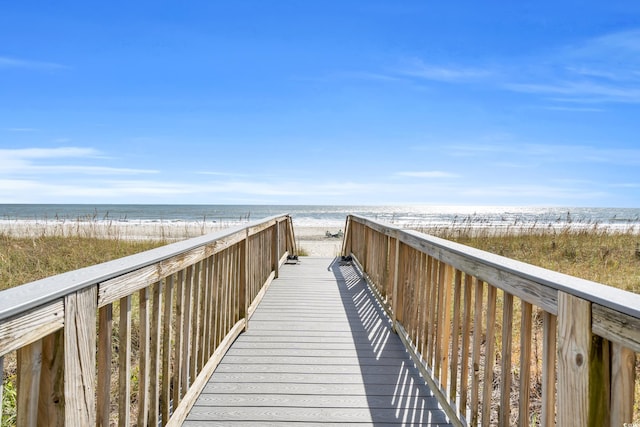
column 319, row 351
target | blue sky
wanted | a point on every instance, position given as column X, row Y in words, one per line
column 320, row 102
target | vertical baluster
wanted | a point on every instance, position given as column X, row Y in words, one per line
column 1, row 385
column 549, row 370
column 477, row 341
column 155, row 359
column 51, row 399
column 455, row 335
column 489, row 357
column 165, row 400
column 507, row 337
column 124, row 362
column 525, row 364
column 179, row 341
column 420, row 305
column 439, row 323
column 195, row 321
column 105, row 329
column 623, row 373
column 143, row 377
column 432, row 313
column 426, row 310
column 186, row 331
column 466, row 342
column 29, row 362
column 446, row 324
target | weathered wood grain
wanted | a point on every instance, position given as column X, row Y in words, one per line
column 525, row 363
column 623, row 363
column 80, row 313
column 31, row 326
column 616, row 327
column 124, row 363
column 105, row 329
column 505, row 363
column 574, row 341
column 549, row 337
column 29, row 368
column 51, row 399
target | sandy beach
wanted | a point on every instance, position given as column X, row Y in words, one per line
column 313, row 241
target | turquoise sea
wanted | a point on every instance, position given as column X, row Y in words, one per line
column 326, row 215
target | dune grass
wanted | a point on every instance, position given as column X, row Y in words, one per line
column 593, row 253
column 23, row 260
column 610, row 257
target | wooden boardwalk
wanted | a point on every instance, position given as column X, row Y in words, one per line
column 319, row 351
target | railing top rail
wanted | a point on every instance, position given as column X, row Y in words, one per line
column 604, row 295
column 30, row 295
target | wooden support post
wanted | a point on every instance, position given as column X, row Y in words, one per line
column 80, row 312
column 575, row 364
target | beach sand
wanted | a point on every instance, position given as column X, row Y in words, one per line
column 313, row 241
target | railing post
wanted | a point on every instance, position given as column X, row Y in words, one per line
column 583, row 366
column 80, row 313
column 346, row 242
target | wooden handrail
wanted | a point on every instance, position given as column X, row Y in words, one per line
column 185, row 303
column 458, row 309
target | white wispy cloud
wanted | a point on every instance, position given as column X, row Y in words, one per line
column 597, row 70
column 44, row 153
column 427, row 174
column 445, row 73
column 552, row 153
column 604, row 69
column 8, row 62
column 23, row 161
column 20, row 129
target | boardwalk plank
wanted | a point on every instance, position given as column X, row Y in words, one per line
column 319, row 351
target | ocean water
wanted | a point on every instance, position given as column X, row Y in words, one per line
column 328, row 215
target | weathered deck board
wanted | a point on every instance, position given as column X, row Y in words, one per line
column 318, row 351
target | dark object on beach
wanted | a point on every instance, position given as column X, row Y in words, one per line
column 336, row 235
column 638, row 250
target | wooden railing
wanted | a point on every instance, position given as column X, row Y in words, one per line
column 134, row 340
column 500, row 341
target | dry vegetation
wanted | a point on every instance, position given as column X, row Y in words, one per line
column 593, row 253
column 23, row 260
